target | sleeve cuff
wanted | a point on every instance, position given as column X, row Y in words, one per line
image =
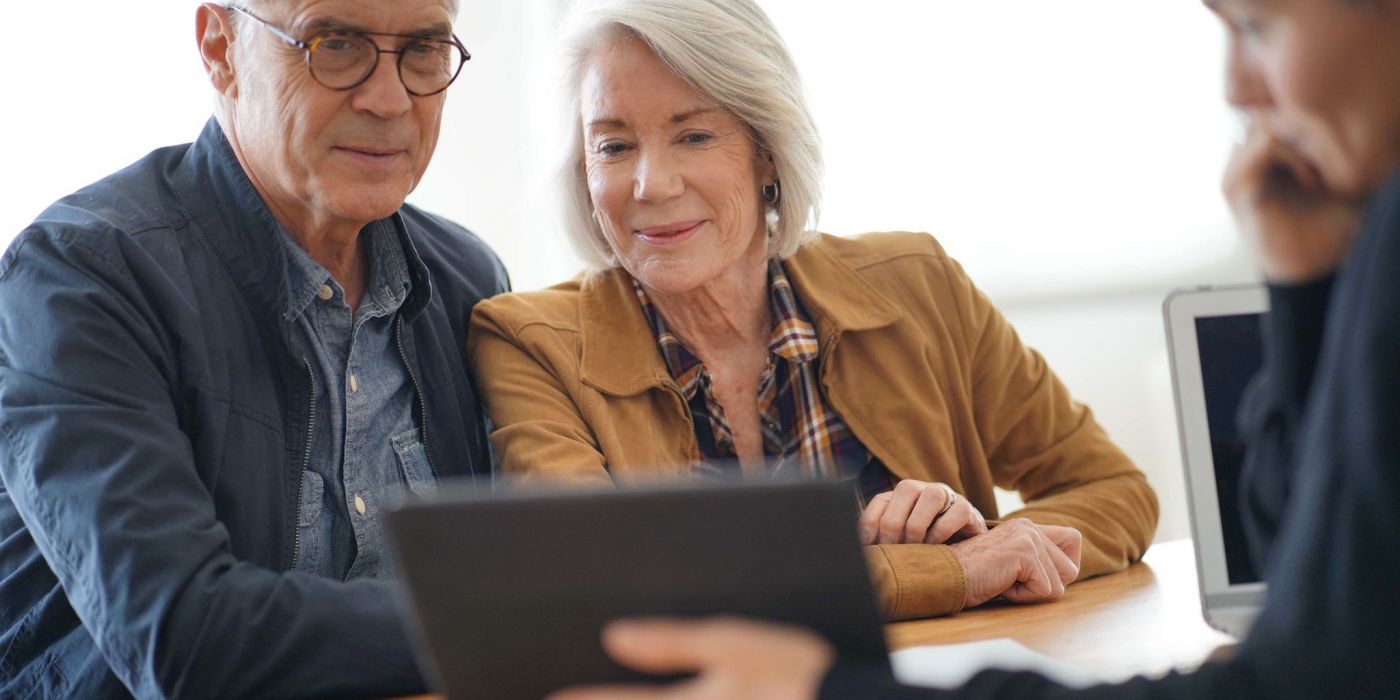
column 916, row 580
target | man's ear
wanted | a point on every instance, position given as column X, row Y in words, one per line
column 213, row 30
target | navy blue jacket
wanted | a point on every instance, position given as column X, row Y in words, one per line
column 1321, row 492
column 153, row 429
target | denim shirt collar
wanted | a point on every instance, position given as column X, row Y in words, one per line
column 220, row 200
column 389, row 278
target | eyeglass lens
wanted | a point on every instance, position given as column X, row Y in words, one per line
column 341, row 60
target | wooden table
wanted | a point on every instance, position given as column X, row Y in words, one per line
column 1145, row 620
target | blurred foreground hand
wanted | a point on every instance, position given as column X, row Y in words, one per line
column 734, row 659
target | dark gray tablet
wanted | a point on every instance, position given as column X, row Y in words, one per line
column 511, row 590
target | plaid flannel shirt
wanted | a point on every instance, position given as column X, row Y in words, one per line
column 801, row 431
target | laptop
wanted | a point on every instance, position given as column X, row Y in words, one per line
column 1213, row 336
column 510, row 590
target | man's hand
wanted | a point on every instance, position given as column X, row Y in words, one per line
column 1020, row 561
column 1299, row 230
column 734, row 659
column 918, row 512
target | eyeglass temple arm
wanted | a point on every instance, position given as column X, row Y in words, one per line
column 280, row 34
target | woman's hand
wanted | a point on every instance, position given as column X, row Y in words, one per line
column 1020, row 561
column 919, row 512
column 733, row 659
column 1299, row 230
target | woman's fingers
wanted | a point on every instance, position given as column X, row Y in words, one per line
column 926, row 511
column 868, row 525
column 919, row 512
column 906, row 493
column 961, row 519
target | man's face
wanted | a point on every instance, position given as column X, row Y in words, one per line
column 320, row 156
column 1324, row 77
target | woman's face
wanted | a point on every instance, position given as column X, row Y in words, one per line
column 674, row 179
column 1324, row 77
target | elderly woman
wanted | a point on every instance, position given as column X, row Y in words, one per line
column 716, row 328
column 1316, row 190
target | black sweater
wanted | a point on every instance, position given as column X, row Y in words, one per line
column 1321, row 488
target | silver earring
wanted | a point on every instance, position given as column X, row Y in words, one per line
column 770, row 193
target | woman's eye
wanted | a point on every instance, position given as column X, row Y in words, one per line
column 695, row 139
column 611, row 148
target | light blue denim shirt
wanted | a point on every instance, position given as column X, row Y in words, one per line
column 366, row 448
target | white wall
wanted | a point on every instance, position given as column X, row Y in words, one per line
column 1067, row 153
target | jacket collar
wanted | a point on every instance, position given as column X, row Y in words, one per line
column 218, row 197
column 834, row 293
column 619, row 353
column 620, row 356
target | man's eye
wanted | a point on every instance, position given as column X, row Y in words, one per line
column 426, row 48
column 338, row 44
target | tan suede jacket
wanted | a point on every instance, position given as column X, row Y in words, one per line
column 925, row 371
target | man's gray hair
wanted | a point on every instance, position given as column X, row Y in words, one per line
column 255, row 6
column 729, row 52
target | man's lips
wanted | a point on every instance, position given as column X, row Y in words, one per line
column 371, row 151
column 668, row 233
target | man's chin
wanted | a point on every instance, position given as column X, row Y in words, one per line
column 366, row 204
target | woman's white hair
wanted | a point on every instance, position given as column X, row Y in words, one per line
column 729, row 52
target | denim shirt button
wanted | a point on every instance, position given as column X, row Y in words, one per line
column 359, row 505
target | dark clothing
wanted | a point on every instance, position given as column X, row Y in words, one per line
column 1322, row 491
column 154, row 416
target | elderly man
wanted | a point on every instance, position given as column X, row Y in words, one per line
column 218, row 365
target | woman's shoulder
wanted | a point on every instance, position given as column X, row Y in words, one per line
column 890, row 274
column 562, row 307
column 556, row 307
column 884, row 257
column 867, row 249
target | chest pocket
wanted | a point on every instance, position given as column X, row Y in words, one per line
column 413, row 462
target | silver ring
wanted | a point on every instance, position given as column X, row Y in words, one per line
column 952, row 498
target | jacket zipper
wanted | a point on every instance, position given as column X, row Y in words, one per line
column 422, row 403
column 305, row 454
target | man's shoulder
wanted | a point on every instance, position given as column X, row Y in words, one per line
column 101, row 219
column 454, row 253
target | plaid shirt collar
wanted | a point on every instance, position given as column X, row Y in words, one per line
column 794, row 338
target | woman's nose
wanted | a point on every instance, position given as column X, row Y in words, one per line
column 657, row 178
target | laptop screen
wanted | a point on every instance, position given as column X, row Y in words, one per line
column 1231, row 353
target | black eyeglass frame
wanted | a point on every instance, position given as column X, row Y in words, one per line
column 309, row 48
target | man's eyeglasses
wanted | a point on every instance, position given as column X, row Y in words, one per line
column 341, row 59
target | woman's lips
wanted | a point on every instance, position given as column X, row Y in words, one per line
column 668, row 233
